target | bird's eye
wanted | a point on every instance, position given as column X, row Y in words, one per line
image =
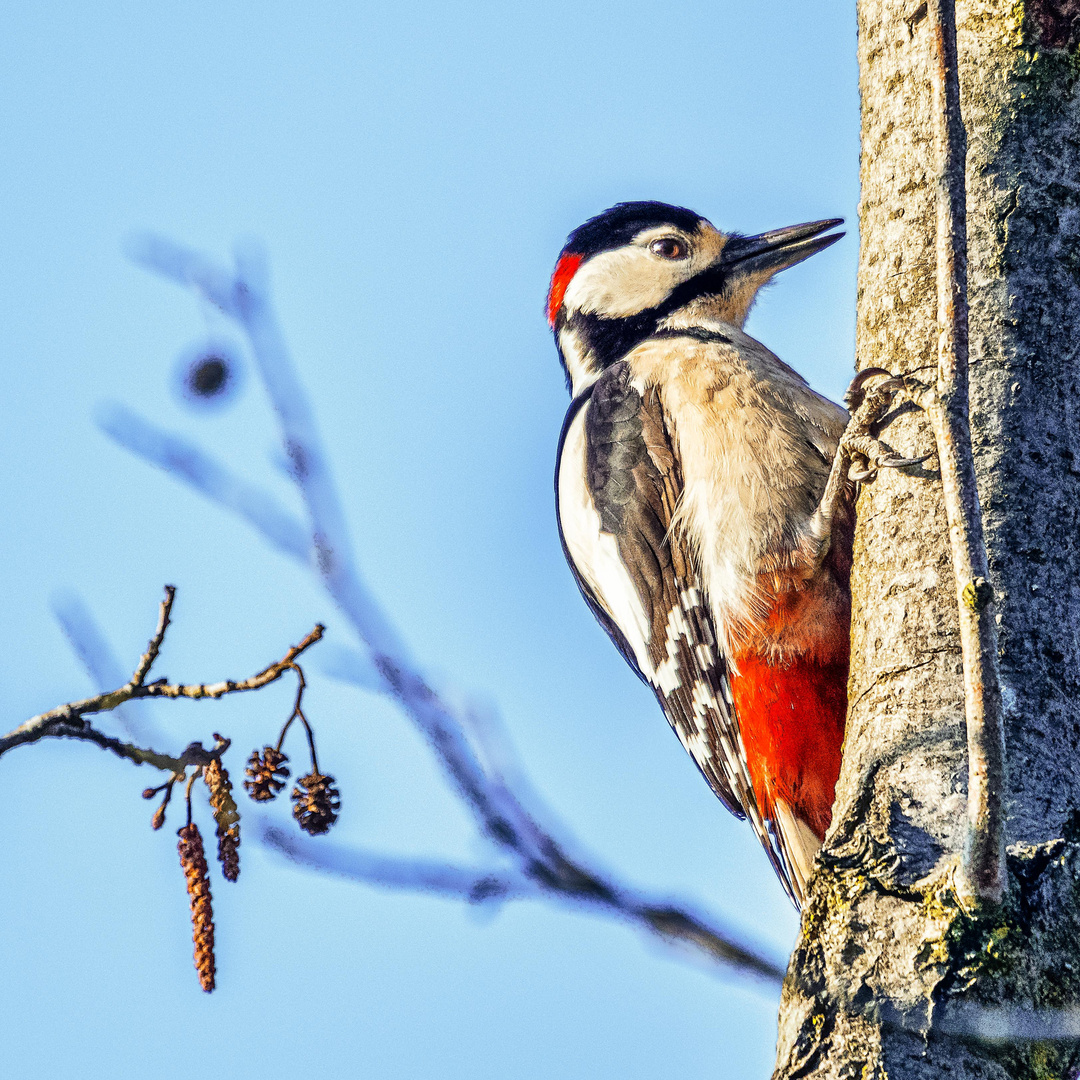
column 669, row 247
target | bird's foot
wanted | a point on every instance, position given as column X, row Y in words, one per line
column 868, row 405
column 859, row 456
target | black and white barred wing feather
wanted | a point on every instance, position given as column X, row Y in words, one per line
column 618, row 486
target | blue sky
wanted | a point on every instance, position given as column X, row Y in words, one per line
column 412, row 173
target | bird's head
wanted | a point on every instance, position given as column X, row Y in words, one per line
column 626, row 270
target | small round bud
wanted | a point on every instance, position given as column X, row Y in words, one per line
column 208, row 374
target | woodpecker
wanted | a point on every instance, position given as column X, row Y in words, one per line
column 702, row 509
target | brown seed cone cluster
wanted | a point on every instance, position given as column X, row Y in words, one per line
column 227, row 817
column 316, row 803
column 266, row 774
column 193, row 860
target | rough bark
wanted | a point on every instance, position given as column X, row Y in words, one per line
column 889, row 964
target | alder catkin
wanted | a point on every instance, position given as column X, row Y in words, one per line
column 193, row 861
column 226, row 817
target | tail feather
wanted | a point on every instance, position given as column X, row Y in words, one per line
column 799, row 845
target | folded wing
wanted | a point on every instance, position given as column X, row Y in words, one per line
column 618, row 487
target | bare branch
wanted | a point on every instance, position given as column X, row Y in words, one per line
column 68, row 721
column 194, row 755
column 242, row 299
column 499, row 814
column 982, row 875
column 271, row 673
column 186, row 267
column 674, row 924
column 176, row 455
column 411, row 875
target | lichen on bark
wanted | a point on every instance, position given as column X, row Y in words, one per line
column 887, row 955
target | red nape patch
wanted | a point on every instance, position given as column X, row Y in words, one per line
column 791, row 718
column 565, row 269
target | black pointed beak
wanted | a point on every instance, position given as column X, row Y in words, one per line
column 770, row 252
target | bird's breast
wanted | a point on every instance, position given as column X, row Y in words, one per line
column 755, row 445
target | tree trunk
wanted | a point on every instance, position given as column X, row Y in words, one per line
column 890, row 971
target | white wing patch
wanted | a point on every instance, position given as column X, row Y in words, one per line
column 667, row 678
column 595, row 552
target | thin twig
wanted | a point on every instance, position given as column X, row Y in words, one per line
column 180, row 457
column 67, row 721
column 187, row 792
column 146, row 661
column 982, row 871
column 195, row 753
column 673, row 923
column 298, row 714
column 392, row 872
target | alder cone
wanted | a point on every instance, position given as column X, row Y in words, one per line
column 266, row 774
column 316, row 803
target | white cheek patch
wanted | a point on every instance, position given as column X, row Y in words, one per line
column 631, row 279
column 615, row 284
column 594, row 552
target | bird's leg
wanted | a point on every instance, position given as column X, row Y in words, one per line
column 867, row 408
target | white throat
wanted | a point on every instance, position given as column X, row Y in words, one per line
column 582, row 370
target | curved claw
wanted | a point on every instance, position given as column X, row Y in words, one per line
column 892, row 461
column 853, row 397
column 895, row 462
column 892, row 384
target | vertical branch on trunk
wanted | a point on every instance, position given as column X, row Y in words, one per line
column 982, row 871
